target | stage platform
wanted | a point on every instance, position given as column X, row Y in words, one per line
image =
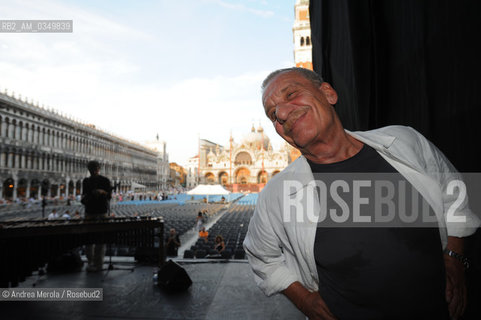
column 220, row 290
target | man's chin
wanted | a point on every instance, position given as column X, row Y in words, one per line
column 299, row 143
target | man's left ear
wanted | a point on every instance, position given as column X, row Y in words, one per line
column 329, row 93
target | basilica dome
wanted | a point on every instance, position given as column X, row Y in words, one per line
column 256, row 139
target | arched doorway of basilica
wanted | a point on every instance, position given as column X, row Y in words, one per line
column 242, row 176
column 223, row 178
column 209, row 178
column 262, row 177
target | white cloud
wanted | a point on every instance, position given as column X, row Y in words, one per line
column 85, row 75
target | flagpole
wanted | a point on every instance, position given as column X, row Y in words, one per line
column 230, row 160
column 198, row 163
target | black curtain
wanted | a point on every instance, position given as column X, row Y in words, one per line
column 406, row 62
column 409, row 62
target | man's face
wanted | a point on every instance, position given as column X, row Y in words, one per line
column 301, row 112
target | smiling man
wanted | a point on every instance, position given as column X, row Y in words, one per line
column 350, row 270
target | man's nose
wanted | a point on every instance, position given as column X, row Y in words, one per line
column 282, row 112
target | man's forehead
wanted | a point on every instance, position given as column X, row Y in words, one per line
column 281, row 83
column 286, row 77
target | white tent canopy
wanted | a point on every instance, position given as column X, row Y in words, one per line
column 137, row 186
column 209, row 189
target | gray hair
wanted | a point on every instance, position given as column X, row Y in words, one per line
column 310, row 75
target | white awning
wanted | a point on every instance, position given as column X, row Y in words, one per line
column 136, row 185
column 208, row 189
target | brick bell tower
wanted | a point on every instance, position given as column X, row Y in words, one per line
column 302, row 35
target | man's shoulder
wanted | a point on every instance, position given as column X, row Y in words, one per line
column 398, row 131
column 107, row 180
column 393, row 137
column 102, row 179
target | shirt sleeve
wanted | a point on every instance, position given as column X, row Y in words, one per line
column 264, row 253
column 460, row 220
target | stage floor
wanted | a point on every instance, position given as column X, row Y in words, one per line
column 219, row 291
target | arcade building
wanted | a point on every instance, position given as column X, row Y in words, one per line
column 43, row 153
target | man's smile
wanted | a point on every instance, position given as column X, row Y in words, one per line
column 293, row 117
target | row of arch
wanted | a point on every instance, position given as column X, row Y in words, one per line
column 23, row 158
column 241, row 176
column 36, row 188
column 19, row 130
column 245, row 158
column 49, row 147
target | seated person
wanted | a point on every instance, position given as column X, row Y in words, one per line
column 54, row 215
column 172, row 243
column 204, row 234
column 66, row 215
column 219, row 244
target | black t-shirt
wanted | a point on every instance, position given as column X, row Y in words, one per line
column 94, row 202
column 388, row 270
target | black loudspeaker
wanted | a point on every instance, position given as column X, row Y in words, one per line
column 173, row 278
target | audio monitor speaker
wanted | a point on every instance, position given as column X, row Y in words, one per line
column 173, row 278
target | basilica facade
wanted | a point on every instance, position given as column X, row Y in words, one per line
column 241, row 166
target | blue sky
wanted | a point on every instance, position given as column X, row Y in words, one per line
column 179, row 68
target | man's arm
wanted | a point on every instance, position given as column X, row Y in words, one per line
column 455, row 281
column 310, row 303
column 177, row 240
column 460, row 224
column 263, row 249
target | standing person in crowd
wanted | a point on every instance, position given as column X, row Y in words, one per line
column 96, row 195
column 44, row 205
column 172, row 243
column 332, row 268
column 199, row 221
